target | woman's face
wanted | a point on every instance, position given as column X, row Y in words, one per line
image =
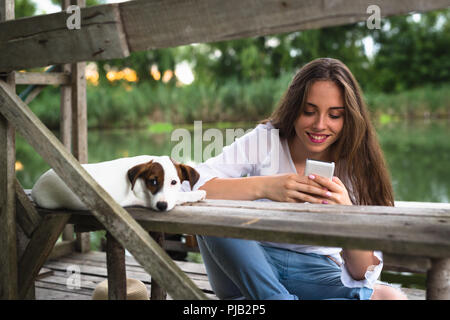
column 321, row 122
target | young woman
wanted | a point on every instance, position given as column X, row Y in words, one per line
column 322, row 116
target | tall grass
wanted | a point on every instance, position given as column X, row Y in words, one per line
column 140, row 105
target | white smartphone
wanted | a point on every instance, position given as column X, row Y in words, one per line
column 321, row 168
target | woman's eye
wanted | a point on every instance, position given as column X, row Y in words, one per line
column 334, row 116
column 308, row 113
column 174, row 182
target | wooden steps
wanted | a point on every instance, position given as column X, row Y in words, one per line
column 92, row 266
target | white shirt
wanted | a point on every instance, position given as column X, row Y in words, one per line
column 260, row 153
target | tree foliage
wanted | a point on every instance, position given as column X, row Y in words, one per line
column 410, row 53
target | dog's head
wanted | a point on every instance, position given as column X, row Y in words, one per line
column 162, row 176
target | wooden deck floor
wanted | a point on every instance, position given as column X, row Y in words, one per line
column 54, row 282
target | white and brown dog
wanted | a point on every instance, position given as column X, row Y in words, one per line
column 148, row 181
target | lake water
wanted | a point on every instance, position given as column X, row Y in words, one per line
column 417, row 153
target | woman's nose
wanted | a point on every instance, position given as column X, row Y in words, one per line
column 319, row 122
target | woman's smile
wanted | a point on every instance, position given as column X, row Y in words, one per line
column 316, row 137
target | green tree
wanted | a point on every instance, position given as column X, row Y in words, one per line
column 24, row 8
column 412, row 53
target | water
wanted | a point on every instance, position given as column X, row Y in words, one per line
column 417, row 154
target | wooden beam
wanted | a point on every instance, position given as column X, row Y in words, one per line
column 27, row 216
column 117, row 274
column 39, row 248
column 156, row 292
column 42, row 78
column 151, row 24
column 115, row 219
column 403, row 231
column 46, row 40
column 438, row 280
column 8, row 237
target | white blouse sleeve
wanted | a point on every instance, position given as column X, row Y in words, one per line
column 239, row 159
column 371, row 276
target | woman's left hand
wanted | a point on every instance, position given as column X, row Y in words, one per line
column 338, row 193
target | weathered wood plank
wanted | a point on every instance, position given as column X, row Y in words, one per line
column 38, row 249
column 117, row 276
column 26, row 214
column 151, row 24
column 157, row 293
column 46, row 40
column 42, row 78
column 8, row 244
column 399, row 233
column 116, row 220
column 62, row 248
column 438, row 280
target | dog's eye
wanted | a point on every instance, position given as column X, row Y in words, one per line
column 174, row 182
column 153, row 182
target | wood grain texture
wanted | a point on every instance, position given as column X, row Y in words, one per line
column 8, row 236
column 115, row 219
column 42, row 78
column 45, row 40
column 141, row 25
column 404, row 230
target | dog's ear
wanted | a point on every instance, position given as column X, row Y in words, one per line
column 186, row 172
column 137, row 171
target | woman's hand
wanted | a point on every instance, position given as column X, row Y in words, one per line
column 293, row 188
column 338, row 193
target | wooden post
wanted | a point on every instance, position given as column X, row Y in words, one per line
column 156, row 292
column 438, row 280
column 79, row 124
column 8, row 246
column 115, row 261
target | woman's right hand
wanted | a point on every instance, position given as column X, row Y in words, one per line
column 292, row 187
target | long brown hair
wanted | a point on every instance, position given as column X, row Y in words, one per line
column 360, row 163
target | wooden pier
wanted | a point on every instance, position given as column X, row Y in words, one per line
column 412, row 237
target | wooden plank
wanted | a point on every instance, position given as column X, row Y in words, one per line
column 116, row 219
column 438, row 280
column 46, row 40
column 151, row 24
column 402, row 263
column 42, row 78
column 38, row 249
column 157, row 293
column 117, row 276
column 399, row 233
column 169, row 23
column 62, row 248
column 8, row 237
column 26, row 214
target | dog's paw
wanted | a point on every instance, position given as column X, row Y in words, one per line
column 197, row 195
column 202, row 194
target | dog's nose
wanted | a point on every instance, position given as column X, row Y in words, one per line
column 161, row 205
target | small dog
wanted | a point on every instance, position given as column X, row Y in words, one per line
column 148, row 181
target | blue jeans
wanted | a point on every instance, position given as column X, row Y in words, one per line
column 240, row 269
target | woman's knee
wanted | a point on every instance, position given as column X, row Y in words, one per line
column 385, row 292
